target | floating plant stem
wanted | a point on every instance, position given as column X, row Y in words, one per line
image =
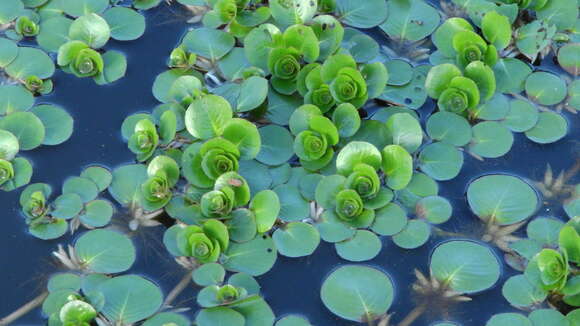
column 174, row 293
column 413, row 315
column 31, row 305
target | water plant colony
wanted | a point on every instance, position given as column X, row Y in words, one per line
column 282, row 123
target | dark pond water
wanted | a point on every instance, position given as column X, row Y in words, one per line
column 293, row 285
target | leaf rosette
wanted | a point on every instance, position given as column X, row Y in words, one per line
column 454, row 92
column 204, row 243
column 364, row 180
column 553, row 267
column 144, row 140
column 350, row 209
column 77, row 313
column 163, row 173
column 218, row 203
column 27, row 27
column 6, row 171
column 78, row 58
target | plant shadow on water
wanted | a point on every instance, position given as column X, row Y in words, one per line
column 293, row 285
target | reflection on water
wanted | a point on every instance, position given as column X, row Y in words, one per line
column 293, row 285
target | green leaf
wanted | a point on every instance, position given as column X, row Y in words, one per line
column 296, row 239
column 252, row 94
column 415, row 234
column 53, row 33
column 8, row 51
column 522, row 116
column 209, row 43
column 504, row 199
column 287, row 13
column 104, row 251
column 550, row 128
column 363, row 246
column 568, row 58
column 441, row 161
column 449, row 128
column 57, row 122
column 277, row 145
column 219, row 316
column 91, row 29
column 357, row 293
column 357, row 152
column 78, row 8
column 405, row 130
column 98, row 213
column 491, row 139
column 509, row 318
column 511, row 75
column 293, row 206
column 9, row 10
column 255, row 257
column 31, row 62
column 362, row 15
column 67, row 206
column 519, row 292
column 130, row 298
column 266, row 206
column 537, row 91
column 126, row 24
column 206, row 117
column 126, row 184
column 410, row 20
column 27, row 127
column 497, row 29
column 389, row 220
column 465, row 266
column 209, row 274
column 548, row 317
column 398, row 166
column 434, row 209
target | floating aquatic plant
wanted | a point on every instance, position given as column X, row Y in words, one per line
column 267, row 140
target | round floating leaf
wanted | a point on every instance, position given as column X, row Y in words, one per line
column 206, row 117
column 209, row 43
column 98, row 213
column 78, row 8
column 545, row 231
column 53, row 33
column 520, row 292
column 362, row 14
column 31, row 62
column 104, row 251
column 92, row 29
column 357, row 152
column 509, row 319
column 545, row 88
column 332, row 229
column 511, row 75
column 562, row 13
column 254, row 257
column 253, row 92
column 410, row 20
column 449, row 128
column 164, row 81
column 9, row 10
column 496, row 108
column 256, row 312
column 466, row 266
column 491, row 139
column 57, row 122
column 9, row 145
column 209, row 274
column 67, row 206
column 64, row 281
column 412, row 95
column 130, row 298
column 400, row 72
column 441, row 161
column 14, row 98
column 219, row 315
column 242, row 226
column 569, row 59
column 405, row 131
column 126, row 184
column 101, row 176
column 256, row 174
column 293, row 206
column 27, row 127
column 434, row 209
column 293, row 321
column 548, row 317
column 126, row 24
column 357, row 293
column 83, row 187
column 266, row 206
column 504, row 199
column 296, row 239
column 115, row 67
column 521, row 117
column 277, row 145
column 415, row 234
column 550, row 128
column 398, row 166
column 55, row 229
column 362, row 47
column 8, row 51
column 364, row 246
column 389, row 220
